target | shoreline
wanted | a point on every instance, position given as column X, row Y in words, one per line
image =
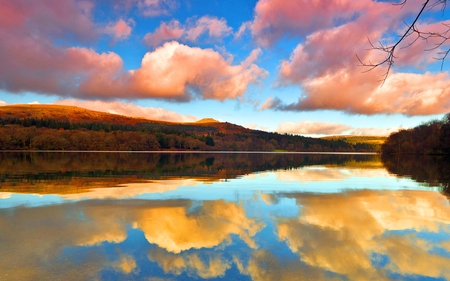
column 191, row 151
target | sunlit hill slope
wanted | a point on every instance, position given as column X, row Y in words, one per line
column 56, row 127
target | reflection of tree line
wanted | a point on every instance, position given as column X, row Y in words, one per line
column 431, row 170
column 29, row 166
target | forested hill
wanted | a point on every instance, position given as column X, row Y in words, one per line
column 55, row 127
column 429, row 138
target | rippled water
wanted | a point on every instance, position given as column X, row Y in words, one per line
column 148, row 216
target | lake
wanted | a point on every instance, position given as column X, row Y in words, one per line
column 223, row 216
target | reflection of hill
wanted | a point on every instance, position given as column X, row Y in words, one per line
column 431, row 170
column 78, row 172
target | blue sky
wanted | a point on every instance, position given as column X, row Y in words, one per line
column 276, row 65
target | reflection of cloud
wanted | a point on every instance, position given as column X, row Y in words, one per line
column 37, row 237
column 313, row 173
column 5, row 195
column 411, row 255
column 133, row 189
column 263, row 265
column 126, row 264
column 192, row 264
column 212, row 225
column 341, row 232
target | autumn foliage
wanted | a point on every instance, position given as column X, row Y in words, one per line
column 25, row 129
column 429, row 138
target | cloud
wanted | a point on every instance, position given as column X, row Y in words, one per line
column 276, row 18
column 129, row 109
column 375, row 131
column 36, row 64
column 310, row 127
column 31, row 61
column 148, row 8
column 325, row 66
column 216, row 28
column 126, row 109
column 165, row 32
column 326, row 128
column 242, row 29
column 173, row 72
column 153, row 8
column 120, row 30
column 212, row 27
column 50, row 18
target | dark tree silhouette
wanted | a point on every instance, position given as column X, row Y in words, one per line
column 413, row 33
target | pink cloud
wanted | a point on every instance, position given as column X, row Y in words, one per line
column 173, row 72
column 312, row 128
column 375, row 131
column 211, row 27
column 326, row 128
column 326, row 69
column 129, row 109
column 154, row 8
column 30, row 59
column 121, row 29
column 32, row 62
column 276, row 18
column 242, row 29
column 216, row 28
column 165, row 32
column 51, row 18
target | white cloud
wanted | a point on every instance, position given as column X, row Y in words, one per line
column 326, row 128
column 129, row 109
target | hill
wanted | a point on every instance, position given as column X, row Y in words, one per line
column 429, row 138
column 376, row 141
column 78, row 115
column 55, row 127
column 70, row 114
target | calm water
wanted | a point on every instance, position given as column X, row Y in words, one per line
column 137, row 216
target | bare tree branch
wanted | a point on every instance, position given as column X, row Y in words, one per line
column 438, row 39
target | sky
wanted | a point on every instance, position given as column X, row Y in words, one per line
column 287, row 66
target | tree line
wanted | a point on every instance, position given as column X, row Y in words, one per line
column 48, row 134
column 429, row 138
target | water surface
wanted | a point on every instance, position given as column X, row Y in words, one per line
column 148, row 216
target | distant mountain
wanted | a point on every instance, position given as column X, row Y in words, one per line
column 207, row 120
column 376, row 141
